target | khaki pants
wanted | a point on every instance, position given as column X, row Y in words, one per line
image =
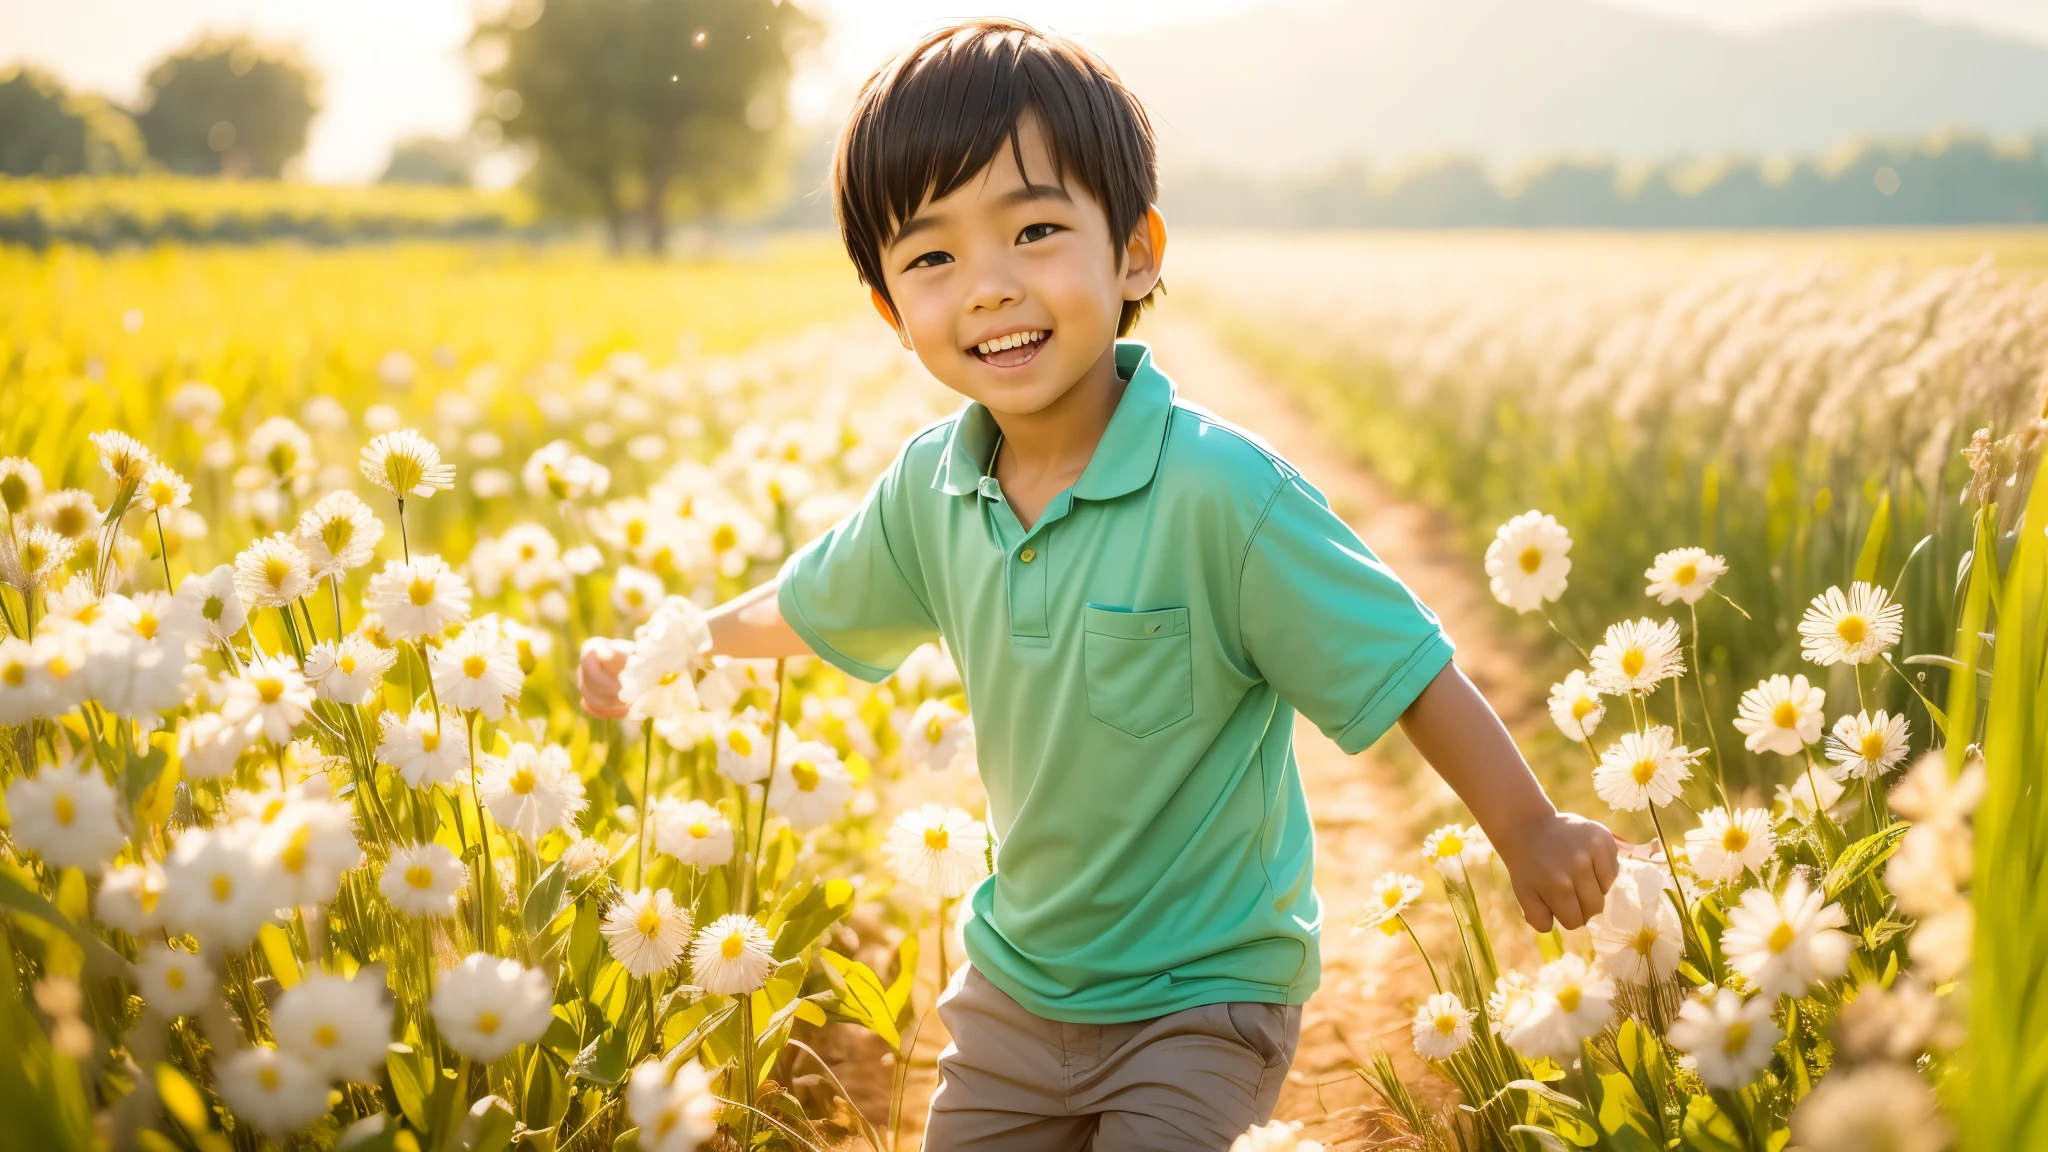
column 1192, row 1081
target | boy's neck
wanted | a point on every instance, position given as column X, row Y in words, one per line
column 1045, row 451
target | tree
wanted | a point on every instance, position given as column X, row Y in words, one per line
column 430, row 160
column 45, row 131
column 227, row 106
column 642, row 108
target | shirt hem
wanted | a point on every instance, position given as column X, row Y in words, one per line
column 1197, row 994
column 793, row 615
column 1379, row 713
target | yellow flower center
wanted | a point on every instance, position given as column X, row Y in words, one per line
column 268, row 1077
column 1785, row 715
column 174, row 978
column 1446, row 1023
column 1450, row 845
column 737, row 739
column 732, row 946
column 805, row 774
column 1645, row 770
column 1583, row 707
column 146, row 625
column 1532, row 559
column 419, row 877
column 1633, row 661
column 269, row 688
column 223, row 887
column 649, row 923
column 1737, row 1038
column 1390, row 896
column 934, row 731
column 272, row 809
column 15, row 674
column 1568, row 997
column 213, row 609
column 1852, row 628
column 1735, row 839
column 421, row 593
column 69, row 521
column 668, row 678
column 430, row 739
column 1686, row 574
column 64, row 809
column 936, row 839
column 635, row 597
column 724, row 538
column 1780, row 937
column 1645, row 940
column 699, row 830
column 337, row 533
column 58, row 667
column 487, row 1023
column 523, row 781
column 294, row 855
column 1873, row 746
column 474, row 667
column 275, row 569
column 636, row 531
column 161, row 492
column 326, row 1036
column 347, row 664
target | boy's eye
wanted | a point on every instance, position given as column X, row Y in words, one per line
column 931, row 260
column 1034, row 232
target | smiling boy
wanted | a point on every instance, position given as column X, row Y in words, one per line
column 1139, row 596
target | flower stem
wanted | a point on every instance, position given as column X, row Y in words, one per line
column 1684, row 900
column 774, row 758
column 486, row 889
column 403, row 542
column 746, row 1070
column 646, row 804
column 163, row 550
column 945, row 969
column 1699, row 679
column 1423, row 952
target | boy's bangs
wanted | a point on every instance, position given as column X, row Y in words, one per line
column 934, row 120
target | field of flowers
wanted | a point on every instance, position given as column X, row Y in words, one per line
column 1802, row 483
column 106, row 212
column 307, row 841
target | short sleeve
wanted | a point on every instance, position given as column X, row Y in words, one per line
column 846, row 592
column 1335, row 632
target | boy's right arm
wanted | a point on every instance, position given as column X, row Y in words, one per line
column 747, row 627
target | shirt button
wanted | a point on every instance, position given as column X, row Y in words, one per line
column 1027, row 555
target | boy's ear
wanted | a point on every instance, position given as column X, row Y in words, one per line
column 1146, row 259
column 888, row 315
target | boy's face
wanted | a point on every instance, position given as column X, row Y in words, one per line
column 1016, row 258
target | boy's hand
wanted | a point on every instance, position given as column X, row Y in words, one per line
column 597, row 676
column 1561, row 866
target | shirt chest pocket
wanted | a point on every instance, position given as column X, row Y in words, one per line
column 1139, row 667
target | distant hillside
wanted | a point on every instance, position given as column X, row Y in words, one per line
column 1298, row 88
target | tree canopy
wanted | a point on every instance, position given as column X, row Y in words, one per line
column 46, row 131
column 226, row 105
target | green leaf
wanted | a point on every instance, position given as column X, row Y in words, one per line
column 277, row 952
column 181, row 1100
column 898, row 993
column 815, row 907
column 1861, row 859
column 1874, row 539
column 1544, row 1137
column 686, row 1047
column 1623, row 1116
column 1708, row 1129
column 409, row 1072
column 862, row 997
column 1546, row 1092
column 603, row 1060
column 490, row 1126
column 544, row 902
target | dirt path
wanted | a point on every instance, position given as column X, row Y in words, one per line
column 1367, row 808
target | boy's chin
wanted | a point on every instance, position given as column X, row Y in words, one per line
column 1022, row 391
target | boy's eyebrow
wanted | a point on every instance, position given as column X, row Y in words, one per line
column 924, row 221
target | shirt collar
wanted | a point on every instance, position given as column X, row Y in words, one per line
column 1124, row 460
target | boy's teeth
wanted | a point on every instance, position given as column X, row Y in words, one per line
column 1014, row 339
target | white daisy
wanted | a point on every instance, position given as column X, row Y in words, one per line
column 1509, row 1004
column 693, row 832
column 939, row 736
column 68, row 815
column 350, row 670
column 1865, row 745
column 77, row 601
column 812, row 788
column 1637, row 936
column 1781, row 714
column 1575, row 706
column 122, row 455
column 1636, row 655
column 646, row 932
column 531, row 791
column 585, row 857
column 477, row 672
column 1456, row 846
column 418, row 599
column 485, row 1007
column 1809, row 792
column 635, row 592
column 270, row 696
column 213, row 599
column 1851, row 628
column 732, row 956
column 559, row 472
column 1528, row 561
column 338, row 535
column 1788, row 943
column 128, row 897
column 339, row 1026
column 742, row 745
column 69, row 512
column 423, row 880
column 658, row 681
column 405, row 463
column 673, row 1114
column 163, row 490
column 534, row 556
column 1392, row 894
column 1729, row 1038
column 308, row 846
column 284, row 451
column 270, row 1090
column 1929, row 795
column 215, row 889
column 172, row 982
column 272, row 573
column 18, row 696
column 1442, row 1027
column 21, row 484
column 1876, row 1106
column 209, row 744
column 57, row 677
column 1683, row 574
column 1643, row 769
column 1728, row 844
column 1570, row 1003
column 941, row 850
column 42, row 552
column 425, row 749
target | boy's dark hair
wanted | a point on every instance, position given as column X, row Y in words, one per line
column 934, row 117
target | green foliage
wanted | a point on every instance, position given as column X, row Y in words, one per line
column 228, row 106
column 45, row 131
column 642, row 108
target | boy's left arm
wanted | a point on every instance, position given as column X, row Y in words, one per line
column 1561, row 864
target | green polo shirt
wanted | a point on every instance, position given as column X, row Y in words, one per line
column 1133, row 664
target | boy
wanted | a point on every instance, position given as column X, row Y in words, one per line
column 1139, row 596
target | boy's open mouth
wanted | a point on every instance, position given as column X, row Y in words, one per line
column 1012, row 350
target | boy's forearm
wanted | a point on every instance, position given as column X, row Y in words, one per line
column 750, row 627
column 1457, row 731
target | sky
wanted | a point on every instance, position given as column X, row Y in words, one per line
column 394, row 68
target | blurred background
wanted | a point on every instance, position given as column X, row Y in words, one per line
column 645, row 117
